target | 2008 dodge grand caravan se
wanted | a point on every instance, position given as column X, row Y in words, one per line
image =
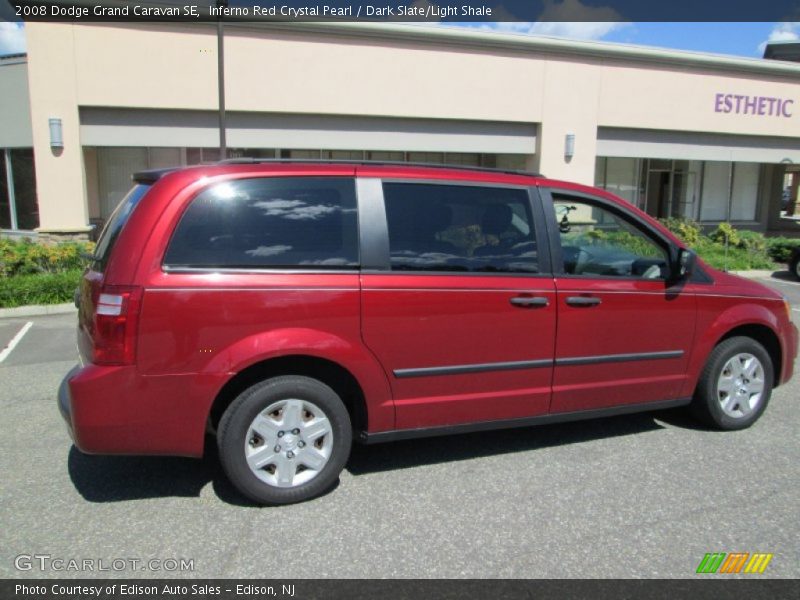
column 290, row 308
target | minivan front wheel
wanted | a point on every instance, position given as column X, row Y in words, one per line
column 284, row 440
column 735, row 385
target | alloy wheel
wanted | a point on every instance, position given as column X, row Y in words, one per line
column 289, row 443
column 740, row 386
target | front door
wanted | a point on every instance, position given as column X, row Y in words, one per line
column 461, row 311
column 624, row 333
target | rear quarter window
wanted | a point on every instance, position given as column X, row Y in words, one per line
column 276, row 222
column 115, row 225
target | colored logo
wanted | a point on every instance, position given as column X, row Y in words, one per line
column 735, row 562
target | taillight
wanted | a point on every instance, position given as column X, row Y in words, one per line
column 116, row 317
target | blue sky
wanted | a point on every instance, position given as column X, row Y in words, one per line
column 743, row 39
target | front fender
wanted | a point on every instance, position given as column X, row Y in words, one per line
column 713, row 324
column 278, row 343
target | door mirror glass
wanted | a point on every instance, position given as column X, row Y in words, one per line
column 686, row 262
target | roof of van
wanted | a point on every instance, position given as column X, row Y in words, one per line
column 150, row 176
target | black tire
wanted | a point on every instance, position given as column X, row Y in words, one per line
column 706, row 403
column 234, row 428
column 794, row 264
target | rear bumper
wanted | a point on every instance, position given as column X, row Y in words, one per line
column 115, row 410
column 64, row 400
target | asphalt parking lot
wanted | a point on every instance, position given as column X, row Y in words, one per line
column 637, row 496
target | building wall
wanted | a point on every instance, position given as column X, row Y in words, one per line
column 53, row 88
column 302, row 72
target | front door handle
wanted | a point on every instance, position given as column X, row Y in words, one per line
column 583, row 301
column 529, row 302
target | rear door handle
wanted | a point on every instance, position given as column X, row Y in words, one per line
column 583, row 301
column 528, row 302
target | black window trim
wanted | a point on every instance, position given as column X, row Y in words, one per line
column 374, row 227
column 272, row 269
column 630, row 217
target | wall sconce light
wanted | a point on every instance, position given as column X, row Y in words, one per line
column 56, row 133
column 569, row 145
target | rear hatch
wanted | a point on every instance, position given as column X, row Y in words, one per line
column 107, row 314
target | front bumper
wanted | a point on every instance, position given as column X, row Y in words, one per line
column 793, row 347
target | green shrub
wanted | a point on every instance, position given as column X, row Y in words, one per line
column 23, row 257
column 745, row 249
column 725, row 233
column 735, row 259
column 752, row 241
column 42, row 288
column 780, row 248
column 687, row 230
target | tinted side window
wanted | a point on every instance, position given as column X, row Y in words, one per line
column 269, row 222
column 116, row 222
column 596, row 241
column 460, row 228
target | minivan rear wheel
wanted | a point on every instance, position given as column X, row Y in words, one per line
column 284, row 440
column 735, row 385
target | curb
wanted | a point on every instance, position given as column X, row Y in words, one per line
column 755, row 273
column 38, row 310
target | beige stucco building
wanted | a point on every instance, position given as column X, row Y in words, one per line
column 676, row 133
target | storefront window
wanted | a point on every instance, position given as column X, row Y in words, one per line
column 622, row 178
column 343, row 154
column 745, row 191
column 466, row 159
column 716, row 181
column 5, row 204
column 114, row 169
column 387, row 156
column 515, row 162
column 301, row 154
column 24, row 190
column 426, row 157
column 685, row 192
column 199, row 156
column 162, row 158
column 672, row 188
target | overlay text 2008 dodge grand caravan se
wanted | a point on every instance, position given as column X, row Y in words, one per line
column 290, row 308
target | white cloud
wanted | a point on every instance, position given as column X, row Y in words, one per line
column 269, row 250
column 782, row 32
column 586, row 30
column 558, row 19
column 12, row 38
column 591, row 30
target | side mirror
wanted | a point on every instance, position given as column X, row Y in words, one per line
column 685, row 264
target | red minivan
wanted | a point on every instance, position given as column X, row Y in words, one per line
column 290, row 308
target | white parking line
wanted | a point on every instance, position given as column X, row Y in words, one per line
column 15, row 340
